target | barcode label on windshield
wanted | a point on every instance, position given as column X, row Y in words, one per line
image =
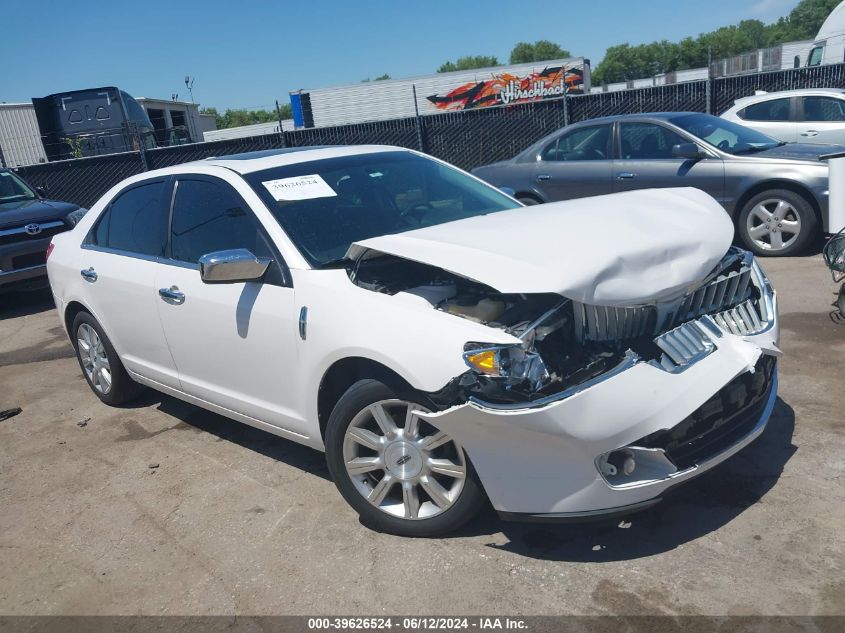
column 299, row 188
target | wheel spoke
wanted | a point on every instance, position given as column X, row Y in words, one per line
column 437, row 492
column 776, row 240
column 84, row 345
column 366, row 438
column 412, row 422
column 105, row 378
column 762, row 213
column 782, row 208
column 758, row 231
column 361, row 465
column 434, row 441
column 411, row 500
column 383, row 419
column 792, row 227
column 447, row 467
column 380, row 490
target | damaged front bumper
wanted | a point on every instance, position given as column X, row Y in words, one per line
column 617, row 444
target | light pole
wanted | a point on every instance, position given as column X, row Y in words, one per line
column 189, row 84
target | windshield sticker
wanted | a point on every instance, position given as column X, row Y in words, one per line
column 299, row 188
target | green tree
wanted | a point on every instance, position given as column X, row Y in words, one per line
column 539, row 51
column 468, row 63
column 239, row 117
column 623, row 61
column 379, row 78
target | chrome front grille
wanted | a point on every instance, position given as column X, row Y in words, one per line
column 724, row 291
column 742, row 320
column 683, row 346
column 603, row 323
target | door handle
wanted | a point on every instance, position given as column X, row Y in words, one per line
column 89, row 274
column 625, row 175
column 810, row 133
column 544, row 177
column 172, row 294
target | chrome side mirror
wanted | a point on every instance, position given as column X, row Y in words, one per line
column 232, row 266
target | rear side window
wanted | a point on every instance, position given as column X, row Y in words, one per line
column 135, row 221
column 589, row 143
column 823, row 109
column 210, row 217
column 772, row 110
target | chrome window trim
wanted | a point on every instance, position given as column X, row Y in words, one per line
column 147, row 258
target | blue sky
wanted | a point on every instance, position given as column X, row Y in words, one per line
column 250, row 53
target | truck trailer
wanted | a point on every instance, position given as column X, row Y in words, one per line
column 440, row 92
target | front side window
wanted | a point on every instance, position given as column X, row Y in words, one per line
column 725, row 135
column 135, row 221
column 648, row 140
column 209, row 217
column 815, row 58
column 823, row 109
column 771, row 110
column 589, row 143
column 325, row 205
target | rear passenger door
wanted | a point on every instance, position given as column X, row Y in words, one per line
column 576, row 164
column 234, row 344
column 120, row 257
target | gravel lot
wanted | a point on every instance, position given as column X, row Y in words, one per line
column 163, row 508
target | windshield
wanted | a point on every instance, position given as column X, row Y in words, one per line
column 13, row 189
column 725, row 135
column 326, row 205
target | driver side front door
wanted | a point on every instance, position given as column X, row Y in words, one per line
column 234, row 344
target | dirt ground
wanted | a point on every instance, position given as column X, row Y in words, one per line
column 163, row 508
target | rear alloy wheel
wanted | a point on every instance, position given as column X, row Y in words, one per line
column 777, row 223
column 401, row 473
column 100, row 363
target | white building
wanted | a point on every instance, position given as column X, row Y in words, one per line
column 20, row 140
column 168, row 115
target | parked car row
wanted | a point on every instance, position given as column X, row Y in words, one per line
column 776, row 193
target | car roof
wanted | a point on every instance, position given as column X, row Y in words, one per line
column 765, row 96
column 249, row 162
column 640, row 115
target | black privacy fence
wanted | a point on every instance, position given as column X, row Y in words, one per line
column 466, row 138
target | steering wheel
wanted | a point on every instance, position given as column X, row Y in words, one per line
column 413, row 211
column 724, row 145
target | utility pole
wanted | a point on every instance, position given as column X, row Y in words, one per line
column 189, row 84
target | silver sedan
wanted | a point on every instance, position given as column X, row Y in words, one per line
column 776, row 193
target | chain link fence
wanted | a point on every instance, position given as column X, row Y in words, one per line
column 466, row 139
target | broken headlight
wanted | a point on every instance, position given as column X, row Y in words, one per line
column 513, row 364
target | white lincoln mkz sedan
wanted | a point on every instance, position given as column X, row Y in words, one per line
column 440, row 342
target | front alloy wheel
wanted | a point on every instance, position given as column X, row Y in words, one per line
column 93, row 358
column 776, row 223
column 400, row 472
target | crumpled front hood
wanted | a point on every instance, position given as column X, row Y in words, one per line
column 619, row 249
column 799, row 151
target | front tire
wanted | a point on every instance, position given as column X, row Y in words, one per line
column 777, row 223
column 100, row 363
column 400, row 473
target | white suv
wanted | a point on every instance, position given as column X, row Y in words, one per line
column 795, row 116
column 442, row 343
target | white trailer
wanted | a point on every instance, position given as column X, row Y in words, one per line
column 829, row 45
column 440, row 92
column 244, row 131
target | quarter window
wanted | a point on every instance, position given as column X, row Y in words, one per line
column 135, row 221
column 589, row 143
column 823, row 109
column 209, row 217
column 647, row 140
column 771, row 110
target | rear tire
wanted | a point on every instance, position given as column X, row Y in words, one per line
column 777, row 223
column 100, row 363
column 400, row 473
